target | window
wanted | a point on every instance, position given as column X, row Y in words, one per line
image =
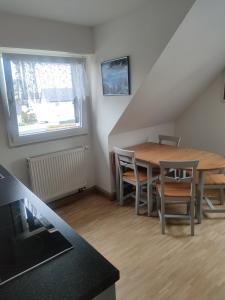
column 45, row 96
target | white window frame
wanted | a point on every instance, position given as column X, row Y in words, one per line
column 10, row 111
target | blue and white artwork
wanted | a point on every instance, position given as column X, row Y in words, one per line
column 115, row 76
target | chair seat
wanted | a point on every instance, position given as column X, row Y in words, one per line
column 129, row 175
column 214, row 179
column 175, row 189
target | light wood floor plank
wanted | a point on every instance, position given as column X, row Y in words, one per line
column 174, row 266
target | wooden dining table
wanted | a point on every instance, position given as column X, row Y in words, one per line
column 150, row 154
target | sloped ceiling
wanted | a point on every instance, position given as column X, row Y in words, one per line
column 191, row 60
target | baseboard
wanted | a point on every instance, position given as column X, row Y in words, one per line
column 111, row 196
column 76, row 196
column 71, row 198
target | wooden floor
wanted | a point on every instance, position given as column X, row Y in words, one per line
column 152, row 266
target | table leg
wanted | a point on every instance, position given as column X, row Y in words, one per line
column 117, row 184
column 200, row 196
column 149, row 189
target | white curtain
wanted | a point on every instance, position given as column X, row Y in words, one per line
column 52, row 79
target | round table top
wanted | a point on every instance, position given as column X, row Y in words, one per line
column 154, row 153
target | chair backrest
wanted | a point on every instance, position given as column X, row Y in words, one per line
column 170, row 139
column 190, row 165
column 125, row 159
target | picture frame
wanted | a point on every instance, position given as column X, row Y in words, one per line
column 116, row 76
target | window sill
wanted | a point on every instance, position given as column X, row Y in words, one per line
column 46, row 137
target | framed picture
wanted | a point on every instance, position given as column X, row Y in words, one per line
column 116, row 76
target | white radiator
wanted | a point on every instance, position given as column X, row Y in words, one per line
column 58, row 174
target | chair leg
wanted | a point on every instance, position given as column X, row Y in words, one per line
column 150, row 199
column 221, row 196
column 121, row 192
column 192, row 215
column 157, row 202
column 198, row 207
column 137, row 199
column 163, row 222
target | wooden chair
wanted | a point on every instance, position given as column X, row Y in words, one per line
column 129, row 173
column 171, row 140
column 177, row 191
column 214, row 181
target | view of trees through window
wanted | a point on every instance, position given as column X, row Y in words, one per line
column 44, row 96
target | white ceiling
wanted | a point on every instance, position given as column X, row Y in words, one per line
column 192, row 59
column 84, row 12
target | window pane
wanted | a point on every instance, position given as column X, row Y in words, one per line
column 44, row 96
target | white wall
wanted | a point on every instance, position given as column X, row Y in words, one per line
column 26, row 32
column 34, row 33
column 139, row 136
column 202, row 125
column 142, row 35
column 191, row 60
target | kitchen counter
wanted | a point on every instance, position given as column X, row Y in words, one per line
column 81, row 273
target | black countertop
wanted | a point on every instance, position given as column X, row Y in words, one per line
column 81, row 273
